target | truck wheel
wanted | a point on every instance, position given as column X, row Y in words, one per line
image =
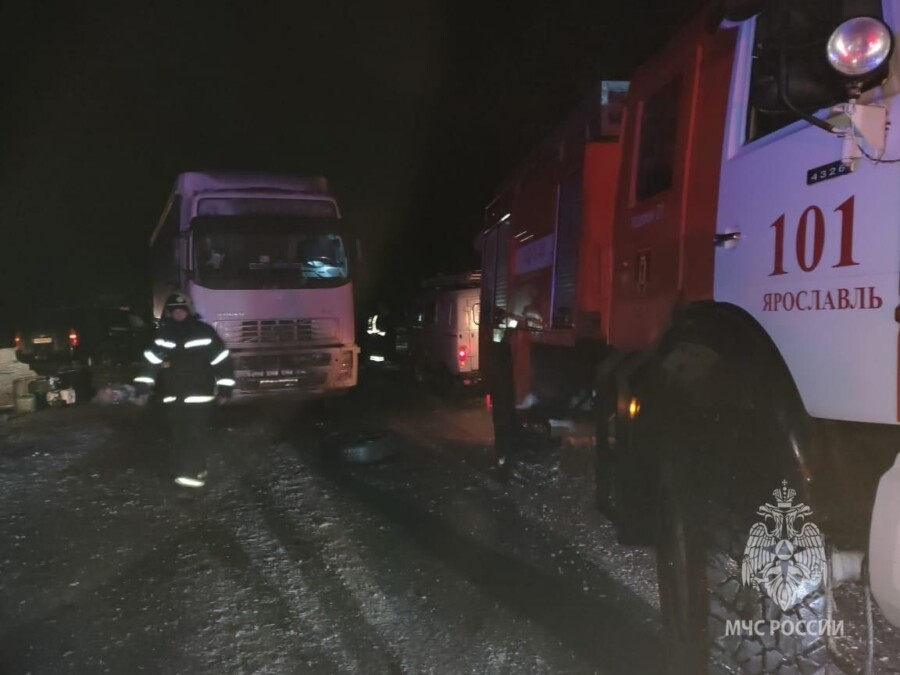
column 713, row 476
column 699, row 572
column 620, row 480
column 604, row 464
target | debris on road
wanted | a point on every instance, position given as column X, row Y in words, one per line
column 358, row 447
column 10, row 371
column 115, row 394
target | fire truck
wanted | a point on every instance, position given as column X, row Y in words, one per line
column 716, row 287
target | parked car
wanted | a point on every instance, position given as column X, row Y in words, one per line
column 443, row 335
column 51, row 339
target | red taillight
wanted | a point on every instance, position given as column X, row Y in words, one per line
column 17, row 341
column 462, row 354
column 487, row 401
column 73, row 338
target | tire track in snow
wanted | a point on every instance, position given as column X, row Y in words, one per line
column 473, row 632
column 305, row 601
column 301, row 544
column 563, row 504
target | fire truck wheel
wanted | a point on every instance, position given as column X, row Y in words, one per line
column 612, row 494
column 712, row 621
column 622, row 477
column 604, row 466
column 699, row 572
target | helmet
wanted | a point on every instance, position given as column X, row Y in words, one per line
column 179, row 300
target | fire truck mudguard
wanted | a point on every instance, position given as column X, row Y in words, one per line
column 884, row 545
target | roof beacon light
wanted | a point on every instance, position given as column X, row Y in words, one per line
column 859, row 47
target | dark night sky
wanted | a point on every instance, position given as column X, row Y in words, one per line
column 414, row 109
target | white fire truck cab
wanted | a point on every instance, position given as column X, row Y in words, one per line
column 740, row 321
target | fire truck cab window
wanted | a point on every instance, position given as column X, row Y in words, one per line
column 801, row 29
column 656, row 149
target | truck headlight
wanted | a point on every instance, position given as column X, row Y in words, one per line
column 860, row 47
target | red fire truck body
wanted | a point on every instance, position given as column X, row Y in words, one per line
column 718, row 286
column 548, row 258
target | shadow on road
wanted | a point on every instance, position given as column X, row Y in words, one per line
column 606, row 626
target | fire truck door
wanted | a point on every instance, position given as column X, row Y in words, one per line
column 811, row 250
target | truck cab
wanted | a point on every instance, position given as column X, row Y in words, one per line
column 269, row 263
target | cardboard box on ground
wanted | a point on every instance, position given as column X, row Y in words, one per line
column 10, row 371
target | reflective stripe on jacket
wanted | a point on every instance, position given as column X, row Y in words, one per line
column 186, row 362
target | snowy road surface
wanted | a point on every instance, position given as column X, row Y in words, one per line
column 287, row 565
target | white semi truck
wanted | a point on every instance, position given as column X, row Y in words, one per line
column 268, row 261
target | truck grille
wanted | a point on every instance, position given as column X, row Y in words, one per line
column 280, row 364
column 278, row 331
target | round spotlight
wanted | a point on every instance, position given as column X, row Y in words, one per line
column 860, row 46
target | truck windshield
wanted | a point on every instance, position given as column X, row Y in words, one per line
column 248, row 257
column 257, row 206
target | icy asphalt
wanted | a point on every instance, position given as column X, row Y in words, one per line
column 288, row 564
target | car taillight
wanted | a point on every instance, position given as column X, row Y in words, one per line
column 17, row 341
column 73, row 338
column 463, row 354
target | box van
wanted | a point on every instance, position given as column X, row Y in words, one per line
column 443, row 335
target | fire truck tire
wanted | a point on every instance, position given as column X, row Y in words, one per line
column 705, row 430
column 623, row 476
column 619, row 501
column 700, row 589
column 604, row 464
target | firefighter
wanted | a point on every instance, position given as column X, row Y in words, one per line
column 499, row 376
column 189, row 368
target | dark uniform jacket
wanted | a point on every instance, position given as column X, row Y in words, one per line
column 186, row 362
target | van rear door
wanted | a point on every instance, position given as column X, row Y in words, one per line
column 468, row 328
